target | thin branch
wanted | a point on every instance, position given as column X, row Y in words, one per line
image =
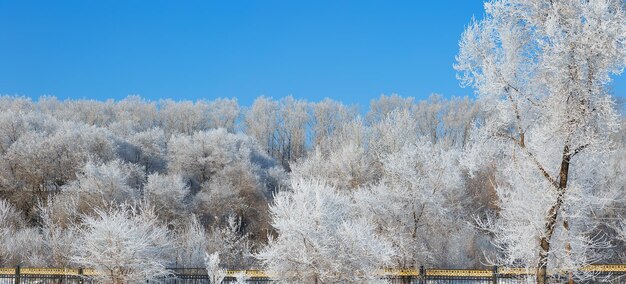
column 578, row 150
column 519, row 92
column 521, row 143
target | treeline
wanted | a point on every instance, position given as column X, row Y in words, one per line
column 287, row 129
column 197, row 178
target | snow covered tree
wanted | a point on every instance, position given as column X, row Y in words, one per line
column 261, row 122
column 19, row 243
column 231, row 243
column 191, row 244
column 223, row 113
column 58, row 237
column 228, row 174
column 99, row 185
column 328, row 117
column 185, row 117
column 321, row 239
column 212, row 263
column 150, row 149
column 200, row 156
column 421, row 188
column 383, row 106
column 341, row 159
column 541, row 70
column 10, row 221
column 166, row 194
column 293, row 126
column 348, row 167
column 280, row 127
column 124, row 244
column 139, row 114
column 46, row 161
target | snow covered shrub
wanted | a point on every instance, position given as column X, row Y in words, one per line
column 320, row 239
column 125, row 244
column 212, row 263
column 191, row 244
column 97, row 185
column 166, row 193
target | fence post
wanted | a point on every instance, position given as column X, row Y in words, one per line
column 422, row 276
column 17, row 274
column 495, row 275
column 81, row 276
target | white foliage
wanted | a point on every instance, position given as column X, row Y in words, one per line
column 191, row 244
column 99, row 185
column 152, row 148
column 44, row 161
column 421, row 189
column 125, row 244
column 59, row 239
column 223, row 113
column 241, row 277
column 321, row 239
column 348, row 167
column 184, row 117
column 203, row 154
column 166, row 193
column 231, row 243
column 541, row 69
column 212, row 264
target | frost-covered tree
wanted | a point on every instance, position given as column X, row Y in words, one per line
column 342, row 159
column 293, row 122
column 184, row 117
column 10, row 221
column 202, row 155
column 280, row 127
column 19, row 244
column 383, row 106
column 229, row 174
column 396, row 170
column 191, row 244
column 541, row 70
column 421, row 188
column 215, row 272
column 16, row 103
column 124, row 244
column 328, row 118
column 232, row 244
column 166, row 194
column 45, row 162
column 58, row 236
column 457, row 120
column 348, row 167
column 261, row 122
column 321, row 238
column 98, row 185
column 149, row 149
column 224, row 113
column 136, row 114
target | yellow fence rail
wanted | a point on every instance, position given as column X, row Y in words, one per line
column 599, row 268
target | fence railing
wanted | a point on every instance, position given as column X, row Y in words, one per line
column 607, row 272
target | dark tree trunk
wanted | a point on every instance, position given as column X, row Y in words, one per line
column 552, row 217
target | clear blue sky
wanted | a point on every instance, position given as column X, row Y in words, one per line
column 350, row 51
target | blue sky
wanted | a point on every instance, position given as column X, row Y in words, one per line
column 351, row 51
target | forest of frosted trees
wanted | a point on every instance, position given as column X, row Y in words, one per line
column 531, row 173
column 174, row 181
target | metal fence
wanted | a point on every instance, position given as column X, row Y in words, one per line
column 43, row 276
column 613, row 273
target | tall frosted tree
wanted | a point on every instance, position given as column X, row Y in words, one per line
column 541, row 70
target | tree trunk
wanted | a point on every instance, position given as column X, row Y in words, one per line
column 551, row 218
